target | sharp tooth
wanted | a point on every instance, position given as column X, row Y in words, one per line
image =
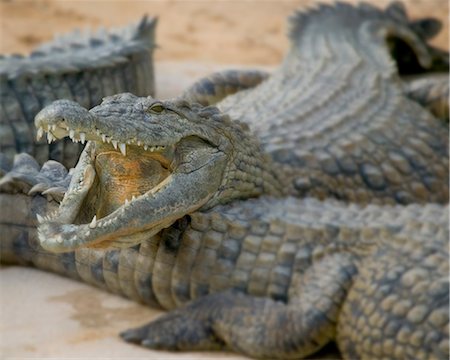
column 123, row 148
column 53, row 127
column 114, row 142
column 40, row 219
column 103, row 137
column 72, row 134
column 93, row 223
column 50, row 137
column 126, row 201
column 152, row 148
column 128, row 142
column 139, row 143
column 108, row 139
column 145, row 147
column 98, row 132
column 133, row 198
column 40, row 133
column 83, row 137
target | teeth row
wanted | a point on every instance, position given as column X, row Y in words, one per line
column 81, row 135
column 94, row 223
column 48, row 217
column 52, row 128
column 132, row 199
column 106, row 139
column 123, row 146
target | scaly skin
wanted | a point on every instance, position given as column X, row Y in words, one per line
column 81, row 67
column 220, row 232
column 372, row 278
column 432, row 91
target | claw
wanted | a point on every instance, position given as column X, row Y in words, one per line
column 55, row 193
column 133, row 335
column 38, row 189
column 5, row 180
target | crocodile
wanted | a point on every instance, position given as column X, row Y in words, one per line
column 269, row 224
column 79, row 66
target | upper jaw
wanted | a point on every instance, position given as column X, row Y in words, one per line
column 67, row 118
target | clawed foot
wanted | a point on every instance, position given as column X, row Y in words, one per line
column 178, row 330
column 28, row 177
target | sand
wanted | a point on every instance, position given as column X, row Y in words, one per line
column 238, row 32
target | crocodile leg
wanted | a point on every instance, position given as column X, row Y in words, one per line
column 47, row 184
column 217, row 86
column 251, row 325
column 431, row 91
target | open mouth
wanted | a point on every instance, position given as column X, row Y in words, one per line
column 138, row 173
column 109, row 180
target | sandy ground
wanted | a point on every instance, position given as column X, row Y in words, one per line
column 245, row 32
column 45, row 316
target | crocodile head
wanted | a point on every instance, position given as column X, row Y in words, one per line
column 147, row 163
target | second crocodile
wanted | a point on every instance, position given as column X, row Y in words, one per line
column 82, row 67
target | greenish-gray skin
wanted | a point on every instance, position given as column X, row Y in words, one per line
column 306, row 209
column 78, row 66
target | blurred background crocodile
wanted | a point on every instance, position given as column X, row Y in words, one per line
column 302, row 272
column 79, row 66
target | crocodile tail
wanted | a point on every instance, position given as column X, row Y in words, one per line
column 405, row 40
column 145, row 30
column 84, row 67
column 78, row 50
column 215, row 87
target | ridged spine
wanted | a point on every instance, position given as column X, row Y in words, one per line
column 84, row 68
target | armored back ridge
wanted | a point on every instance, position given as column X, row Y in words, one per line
column 335, row 115
column 79, row 66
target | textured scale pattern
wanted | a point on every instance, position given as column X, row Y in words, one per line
column 361, row 139
column 306, row 261
column 394, row 307
column 430, row 91
column 82, row 67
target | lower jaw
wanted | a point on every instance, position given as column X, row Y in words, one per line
column 116, row 179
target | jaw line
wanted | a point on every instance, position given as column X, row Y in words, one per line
column 176, row 196
column 62, row 237
column 81, row 125
column 58, row 233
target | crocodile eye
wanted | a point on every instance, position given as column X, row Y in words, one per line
column 157, row 108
